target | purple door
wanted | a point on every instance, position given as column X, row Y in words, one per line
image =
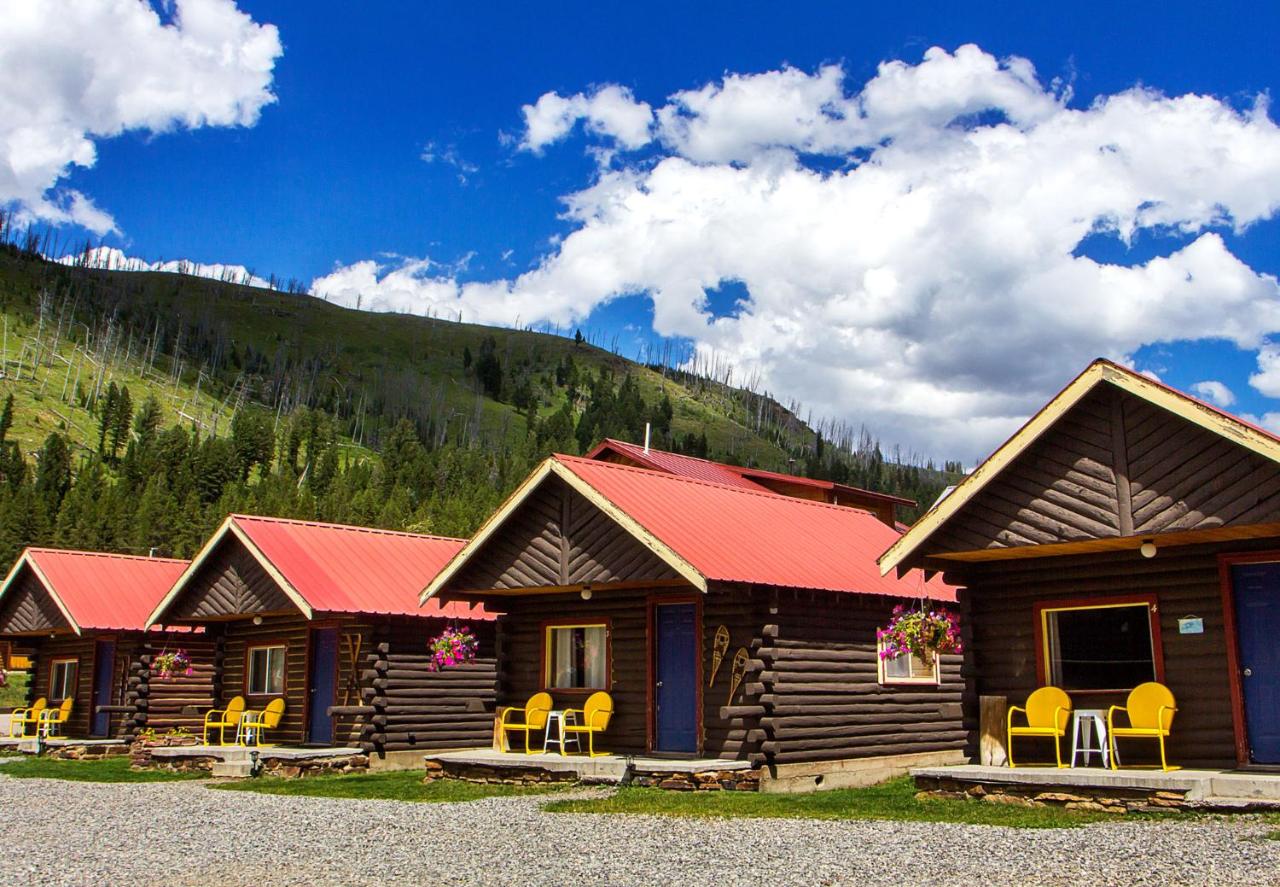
column 675, row 667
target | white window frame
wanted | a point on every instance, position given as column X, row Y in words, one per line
column 921, row 674
column 58, row 688
column 268, row 649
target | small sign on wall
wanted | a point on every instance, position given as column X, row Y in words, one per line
column 1190, row 625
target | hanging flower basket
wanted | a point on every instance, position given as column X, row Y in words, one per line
column 920, row 632
column 167, row 664
column 452, row 647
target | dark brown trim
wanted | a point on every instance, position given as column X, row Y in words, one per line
column 544, row 671
column 1238, row 716
column 1153, row 614
column 651, row 603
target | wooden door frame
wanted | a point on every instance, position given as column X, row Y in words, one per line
column 1225, row 562
column 652, row 602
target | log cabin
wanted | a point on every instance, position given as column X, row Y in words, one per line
column 726, row 622
column 326, row 616
column 1126, row 533
column 80, row 617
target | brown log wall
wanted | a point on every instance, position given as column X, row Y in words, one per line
column 815, row 672
column 293, row 633
column 406, row 706
column 1185, row 581
column 82, row 649
column 177, row 702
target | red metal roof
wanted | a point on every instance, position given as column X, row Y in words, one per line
column 342, row 569
column 104, row 591
column 732, row 475
column 675, row 463
column 731, row 534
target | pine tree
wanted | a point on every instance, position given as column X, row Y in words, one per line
column 53, row 472
column 106, row 416
column 6, row 418
column 122, row 416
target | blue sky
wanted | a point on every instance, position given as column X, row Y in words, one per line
column 396, row 131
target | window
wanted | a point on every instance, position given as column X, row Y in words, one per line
column 1103, row 646
column 906, row 669
column 577, row 657
column 266, row 671
column 62, row 679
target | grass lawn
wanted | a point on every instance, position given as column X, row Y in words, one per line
column 397, row 785
column 890, row 800
column 14, row 693
column 114, row 769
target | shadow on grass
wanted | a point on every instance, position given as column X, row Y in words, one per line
column 115, row 769
column 893, row 800
column 398, row 785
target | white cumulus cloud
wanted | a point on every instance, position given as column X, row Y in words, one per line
column 1215, row 392
column 910, row 247
column 610, row 111
column 76, row 71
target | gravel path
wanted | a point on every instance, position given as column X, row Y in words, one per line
column 58, row 832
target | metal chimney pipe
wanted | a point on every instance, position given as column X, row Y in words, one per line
column 646, row 438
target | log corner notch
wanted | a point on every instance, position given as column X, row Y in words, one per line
column 174, row 703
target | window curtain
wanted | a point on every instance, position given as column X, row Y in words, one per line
column 594, row 658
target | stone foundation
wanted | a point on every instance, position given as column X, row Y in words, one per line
column 140, row 751
column 708, row 781
column 1097, row 799
column 527, row 774
column 294, row 768
column 86, row 752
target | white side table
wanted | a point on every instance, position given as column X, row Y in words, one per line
column 556, row 720
column 1085, row 724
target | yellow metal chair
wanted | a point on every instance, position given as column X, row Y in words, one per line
column 22, row 716
column 53, row 719
column 1048, row 713
column 1150, row 709
column 535, row 714
column 222, row 718
column 595, row 717
column 255, row 722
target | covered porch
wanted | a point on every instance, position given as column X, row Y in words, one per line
column 1095, row 788
column 688, row 774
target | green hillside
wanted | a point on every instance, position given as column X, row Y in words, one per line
column 145, row 406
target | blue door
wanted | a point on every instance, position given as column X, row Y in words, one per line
column 322, row 683
column 675, row 696
column 1257, row 593
column 104, row 665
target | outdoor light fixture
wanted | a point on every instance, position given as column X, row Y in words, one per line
column 1148, row 549
column 586, row 592
column 257, row 620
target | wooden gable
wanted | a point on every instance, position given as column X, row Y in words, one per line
column 557, row 538
column 1115, row 465
column 28, row 608
column 230, row 582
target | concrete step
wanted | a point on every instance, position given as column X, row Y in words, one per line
column 1227, row 804
column 1259, row 786
column 233, row 769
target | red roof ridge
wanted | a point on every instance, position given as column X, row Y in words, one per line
column 352, row 527
column 46, row 549
column 769, row 494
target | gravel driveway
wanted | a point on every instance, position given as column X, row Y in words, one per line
column 56, row 832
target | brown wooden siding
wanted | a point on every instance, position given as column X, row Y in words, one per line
column 408, row 706
column 535, row 550
column 293, row 633
column 176, row 702
column 1115, row 465
column 82, row 649
column 1185, row 582
column 28, row 607
column 817, row 680
column 230, row 582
